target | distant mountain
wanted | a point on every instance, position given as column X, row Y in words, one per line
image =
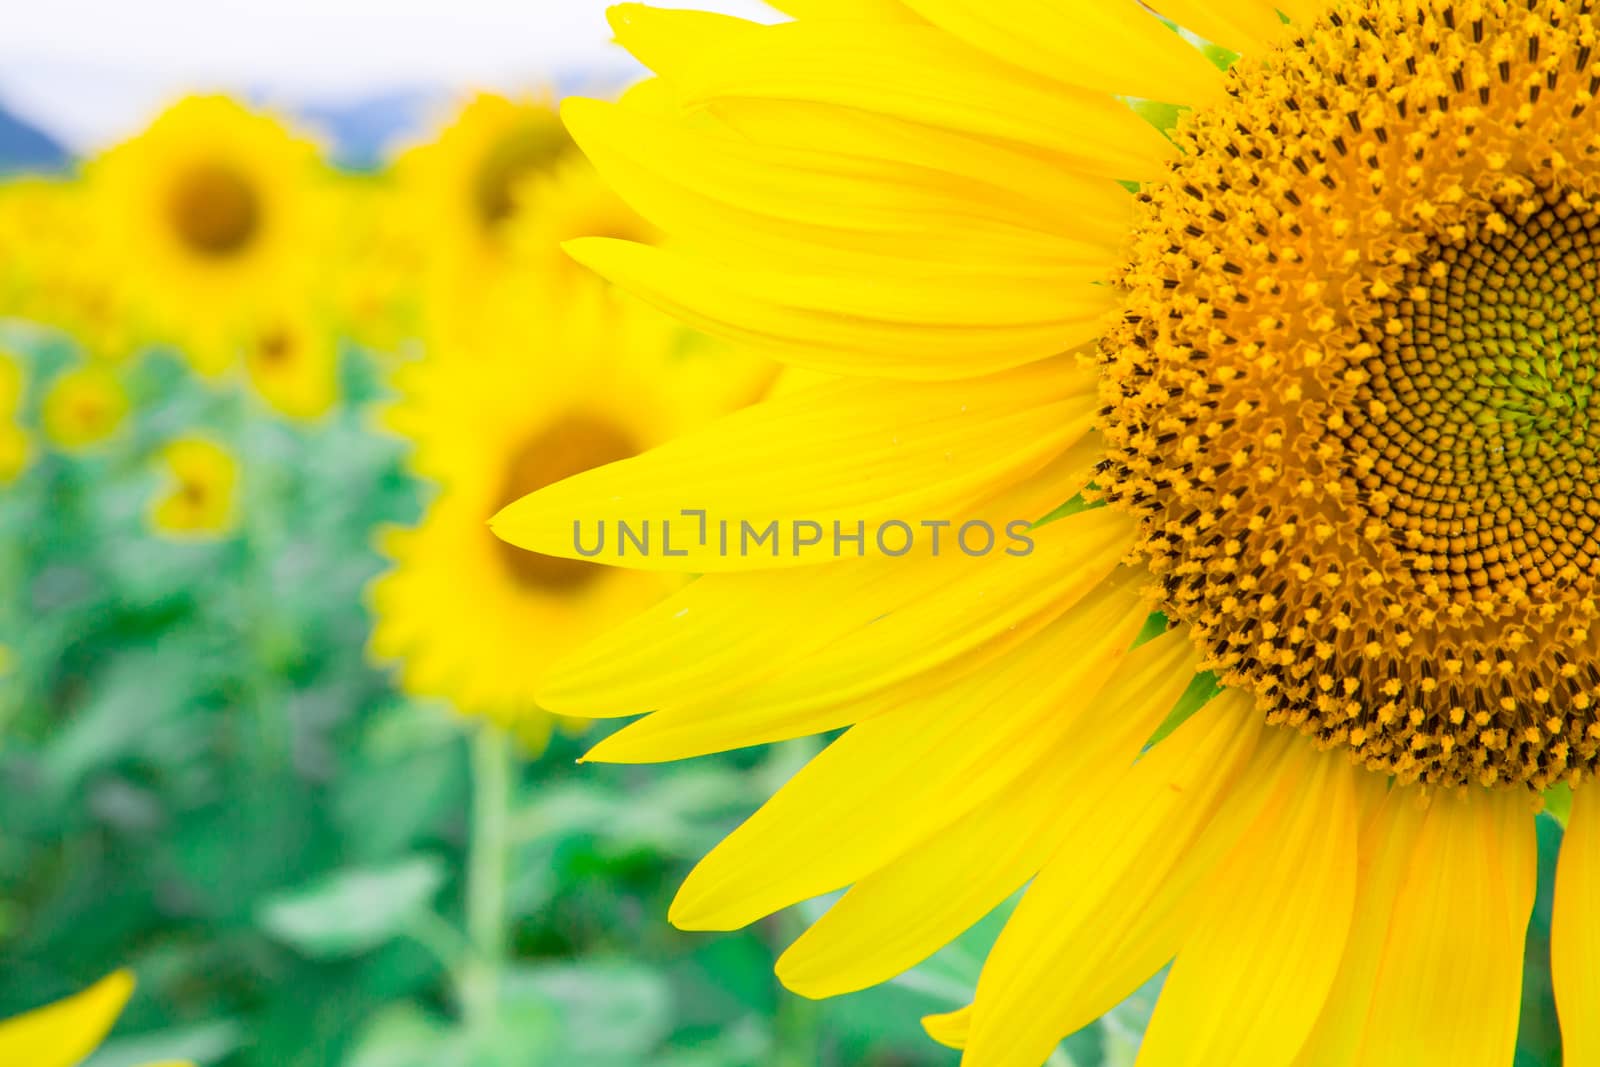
column 365, row 132
column 24, row 147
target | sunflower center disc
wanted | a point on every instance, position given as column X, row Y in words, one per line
column 571, row 445
column 215, row 211
column 1351, row 397
column 1478, row 410
column 517, row 156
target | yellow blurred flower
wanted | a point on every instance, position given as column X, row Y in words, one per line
column 57, row 282
column 212, row 214
column 375, row 290
column 292, row 359
column 64, row 1033
column 16, row 451
column 16, row 448
column 202, row 500
column 464, row 184
column 567, row 201
column 13, row 383
column 574, row 383
column 462, row 196
column 83, row 407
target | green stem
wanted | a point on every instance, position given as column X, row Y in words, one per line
column 487, row 875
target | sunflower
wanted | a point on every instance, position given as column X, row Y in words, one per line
column 292, row 359
column 580, row 378
column 63, row 1034
column 1310, row 360
column 16, row 450
column 201, row 500
column 212, row 214
column 58, row 283
column 83, row 407
column 374, row 290
column 465, row 181
column 464, row 191
column 567, row 201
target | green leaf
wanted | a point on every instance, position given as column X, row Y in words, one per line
column 353, row 911
column 609, row 1013
column 403, row 1035
column 203, row 1044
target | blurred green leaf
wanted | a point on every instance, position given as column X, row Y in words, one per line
column 403, row 1035
column 203, row 1044
column 608, row 1014
column 353, row 911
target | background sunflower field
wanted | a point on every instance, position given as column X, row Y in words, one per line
column 312, row 849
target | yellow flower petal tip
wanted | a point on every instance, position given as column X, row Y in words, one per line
column 951, row 1028
column 62, row 1034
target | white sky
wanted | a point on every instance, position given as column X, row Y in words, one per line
column 90, row 71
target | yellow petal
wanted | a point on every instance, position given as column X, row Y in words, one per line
column 737, row 200
column 694, row 649
column 1388, row 837
column 1092, row 204
column 915, row 74
column 1106, row 913
column 1250, row 983
column 854, row 457
column 1449, row 986
column 898, row 916
column 1115, row 46
column 951, row 1028
column 895, row 779
column 64, row 1033
column 953, row 618
column 1242, row 25
column 1575, row 930
column 926, row 328
column 861, row 10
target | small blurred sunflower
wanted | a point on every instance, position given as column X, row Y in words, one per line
column 375, row 290
column 1326, row 355
column 200, row 501
column 567, row 201
column 212, row 214
column 16, row 449
column 577, row 377
column 63, row 1034
column 83, row 406
column 60, row 282
column 464, row 183
column 292, row 359
column 464, row 194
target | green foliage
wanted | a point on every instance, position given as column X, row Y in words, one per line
column 203, row 778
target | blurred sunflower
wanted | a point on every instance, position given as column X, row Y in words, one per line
column 464, row 191
column 465, row 181
column 292, row 359
column 15, row 447
column 58, row 283
column 200, row 501
column 83, row 407
column 63, row 1034
column 562, row 203
column 375, row 290
column 212, row 215
column 1331, row 367
column 581, row 377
